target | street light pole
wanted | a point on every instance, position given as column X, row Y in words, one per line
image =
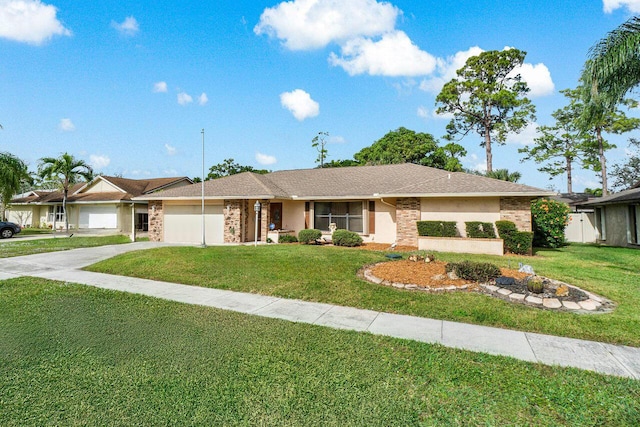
column 204, row 243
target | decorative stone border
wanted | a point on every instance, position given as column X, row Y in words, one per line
column 594, row 304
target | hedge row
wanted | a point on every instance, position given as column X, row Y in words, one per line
column 437, row 228
column 515, row 242
column 480, row 230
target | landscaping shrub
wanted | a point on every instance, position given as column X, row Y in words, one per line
column 437, row 228
column 287, row 238
column 346, row 238
column 480, row 230
column 515, row 242
column 309, row 235
column 477, row 271
column 549, row 221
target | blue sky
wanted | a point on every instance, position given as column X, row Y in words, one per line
column 128, row 86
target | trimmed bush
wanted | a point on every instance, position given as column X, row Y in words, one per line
column 309, row 236
column 515, row 242
column 480, row 230
column 287, row 238
column 477, row 271
column 437, row 228
column 549, row 221
column 346, row 238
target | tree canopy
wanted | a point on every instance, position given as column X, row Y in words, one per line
column 13, row 173
column 488, row 98
column 230, row 167
column 627, row 174
column 407, row 146
column 613, row 67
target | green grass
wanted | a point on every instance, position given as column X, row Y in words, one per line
column 35, row 231
column 328, row 274
column 76, row 355
column 16, row 247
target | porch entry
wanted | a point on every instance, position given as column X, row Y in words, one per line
column 275, row 213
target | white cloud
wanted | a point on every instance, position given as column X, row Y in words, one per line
column 160, row 87
column 537, row 77
column 610, row 5
column 525, row 137
column 393, row 55
column 446, row 69
column 66, row 125
column 313, row 24
column 337, row 140
column 128, row 27
column 425, row 113
column 170, row 150
column 170, row 172
column 29, row 21
column 265, row 159
column 203, row 99
column 184, row 98
column 300, row 104
column 99, row 161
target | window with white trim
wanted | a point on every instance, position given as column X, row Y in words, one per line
column 346, row 216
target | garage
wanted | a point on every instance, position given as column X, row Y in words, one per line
column 183, row 224
column 97, row 216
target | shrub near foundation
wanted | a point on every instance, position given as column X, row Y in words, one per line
column 309, row 236
column 287, row 238
column 346, row 238
column 515, row 242
column 480, row 230
column 437, row 228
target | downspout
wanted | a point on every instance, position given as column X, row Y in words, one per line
column 388, row 204
column 133, row 222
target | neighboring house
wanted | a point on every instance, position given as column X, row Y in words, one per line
column 381, row 203
column 581, row 227
column 104, row 203
column 617, row 218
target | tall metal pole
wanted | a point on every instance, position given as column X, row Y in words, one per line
column 204, row 243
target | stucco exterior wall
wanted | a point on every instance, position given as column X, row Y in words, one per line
column 101, row 186
column 292, row 215
column 461, row 210
column 385, row 217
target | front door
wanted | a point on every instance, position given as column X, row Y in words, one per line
column 276, row 216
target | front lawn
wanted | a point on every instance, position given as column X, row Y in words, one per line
column 16, row 247
column 77, row 355
column 328, row 274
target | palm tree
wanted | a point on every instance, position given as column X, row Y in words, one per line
column 66, row 170
column 13, row 172
column 504, row 175
column 613, row 68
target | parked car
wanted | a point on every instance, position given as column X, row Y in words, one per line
column 8, row 229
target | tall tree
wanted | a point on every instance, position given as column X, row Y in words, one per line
column 613, row 67
column 487, row 97
column 627, row 174
column 504, row 175
column 66, row 170
column 318, row 142
column 230, row 167
column 597, row 119
column 407, row 146
column 13, row 173
column 560, row 145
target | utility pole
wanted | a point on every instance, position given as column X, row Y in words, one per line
column 204, row 243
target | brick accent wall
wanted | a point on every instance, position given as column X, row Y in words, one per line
column 156, row 221
column 233, row 230
column 265, row 219
column 516, row 210
column 407, row 213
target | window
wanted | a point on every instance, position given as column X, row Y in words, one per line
column 346, row 216
column 56, row 214
column 633, row 225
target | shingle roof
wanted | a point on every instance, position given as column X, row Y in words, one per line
column 626, row 196
column 350, row 182
column 131, row 187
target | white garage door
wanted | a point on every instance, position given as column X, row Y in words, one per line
column 98, row 217
column 183, row 224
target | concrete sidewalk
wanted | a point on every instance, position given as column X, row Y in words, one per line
column 603, row 358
